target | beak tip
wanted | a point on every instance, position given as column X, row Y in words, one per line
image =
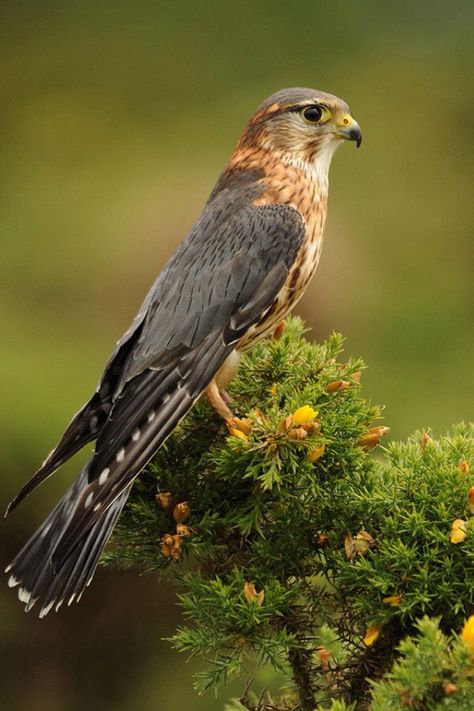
column 356, row 135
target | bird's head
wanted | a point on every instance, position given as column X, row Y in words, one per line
column 305, row 126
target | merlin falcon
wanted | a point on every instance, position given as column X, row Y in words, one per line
column 242, row 267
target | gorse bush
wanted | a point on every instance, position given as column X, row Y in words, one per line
column 291, row 544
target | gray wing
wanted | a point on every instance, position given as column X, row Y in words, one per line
column 222, row 280
column 216, row 270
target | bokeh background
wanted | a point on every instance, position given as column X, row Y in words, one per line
column 116, row 119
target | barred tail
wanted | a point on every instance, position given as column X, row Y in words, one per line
column 35, row 574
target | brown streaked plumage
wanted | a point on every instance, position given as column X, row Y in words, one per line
column 242, row 267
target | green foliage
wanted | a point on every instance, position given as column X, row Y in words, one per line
column 297, row 540
column 433, row 672
column 420, row 491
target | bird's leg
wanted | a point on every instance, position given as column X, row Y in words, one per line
column 218, row 400
column 225, row 396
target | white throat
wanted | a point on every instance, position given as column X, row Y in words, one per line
column 318, row 168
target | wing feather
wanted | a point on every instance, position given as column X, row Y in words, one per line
column 222, row 280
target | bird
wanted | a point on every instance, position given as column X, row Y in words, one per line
column 239, row 271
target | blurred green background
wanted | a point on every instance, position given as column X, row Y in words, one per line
column 116, row 119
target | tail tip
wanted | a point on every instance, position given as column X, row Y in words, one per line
column 12, row 505
column 24, row 595
column 45, row 609
column 12, row 581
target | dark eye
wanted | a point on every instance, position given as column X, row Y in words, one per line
column 313, row 114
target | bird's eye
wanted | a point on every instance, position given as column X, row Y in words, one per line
column 313, row 114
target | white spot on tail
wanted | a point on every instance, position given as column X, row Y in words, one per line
column 31, row 603
column 44, row 610
column 103, row 476
column 24, row 595
column 120, row 455
column 71, row 599
column 136, row 435
column 59, row 604
column 151, row 416
column 89, row 500
column 12, row 581
column 97, row 506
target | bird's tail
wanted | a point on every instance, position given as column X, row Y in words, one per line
column 83, row 427
column 36, row 575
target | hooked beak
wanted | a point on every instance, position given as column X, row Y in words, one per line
column 349, row 129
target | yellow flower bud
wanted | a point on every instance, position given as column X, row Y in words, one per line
column 176, row 547
column 303, row 415
column 166, row 545
column 297, row 433
column 286, row 423
column 323, row 656
column 467, row 634
column 363, row 541
column 392, row 600
column 449, row 688
column 251, row 594
column 163, row 499
column 372, row 634
column 470, row 499
column 181, row 512
column 311, row 427
column 463, row 466
column 358, row 545
column 238, row 433
column 337, row 386
column 458, row 531
column 182, row 530
column 372, row 437
column 317, row 452
column 426, row 440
